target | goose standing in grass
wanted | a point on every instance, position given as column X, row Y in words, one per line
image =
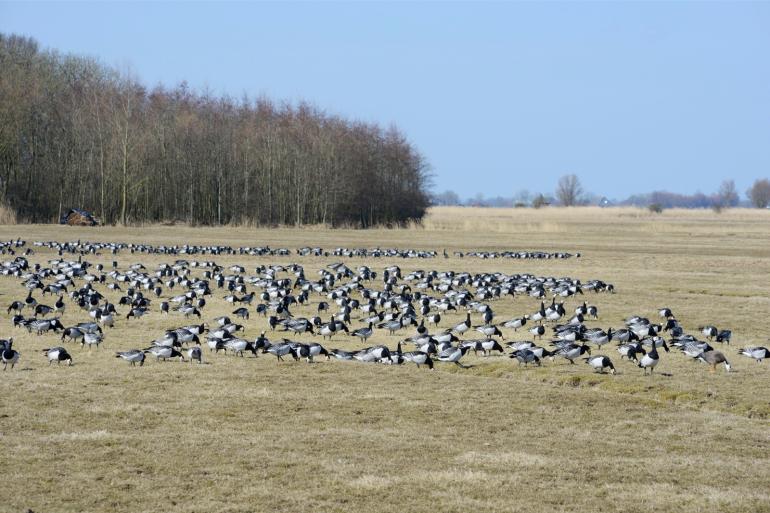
column 489, row 331
column 631, row 351
column 91, row 339
column 463, row 326
column 164, row 353
column 516, row 323
column 416, row 357
column 453, row 355
column 279, row 350
column 434, row 319
column 9, row 354
column 57, row 354
column 757, row 353
column 489, row 345
column 714, row 358
column 365, row 333
column 537, row 331
column 132, row 355
column 724, row 336
column 709, row 331
column 526, row 357
column 572, row 352
column 342, row 355
column 599, row 363
column 651, row 359
column 195, row 353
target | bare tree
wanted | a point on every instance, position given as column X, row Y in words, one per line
column 76, row 133
column 759, row 193
column 727, row 195
column 569, row 190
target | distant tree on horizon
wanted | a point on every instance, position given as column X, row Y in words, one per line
column 727, row 196
column 759, row 193
column 569, row 190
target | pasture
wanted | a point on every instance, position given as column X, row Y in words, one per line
column 254, row 434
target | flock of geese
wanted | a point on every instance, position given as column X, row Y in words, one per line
column 412, row 307
column 87, row 247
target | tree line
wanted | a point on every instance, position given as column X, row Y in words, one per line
column 77, row 133
column 569, row 192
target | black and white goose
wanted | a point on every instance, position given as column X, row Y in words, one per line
column 92, row 339
column 489, row 330
column 9, row 354
column 572, row 352
column 526, row 357
column 651, row 359
column 487, row 346
column 631, row 351
column 365, row 333
column 537, row 331
column 463, row 326
column 709, row 331
column 58, row 355
column 757, row 353
column 453, row 355
column 516, row 323
column 599, row 363
column 416, row 357
column 195, row 353
column 163, row 352
column 133, row 356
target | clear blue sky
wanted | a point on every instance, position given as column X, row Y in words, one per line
column 631, row 97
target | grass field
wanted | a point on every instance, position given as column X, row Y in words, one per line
column 253, row 434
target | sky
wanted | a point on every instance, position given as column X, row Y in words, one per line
column 631, row 97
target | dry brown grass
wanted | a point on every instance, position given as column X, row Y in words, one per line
column 256, row 435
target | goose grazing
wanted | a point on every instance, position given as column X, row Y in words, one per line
column 16, row 306
column 133, row 356
column 709, row 331
column 238, row 346
column 195, row 353
column 724, row 336
column 9, row 354
column 279, row 350
column 631, row 351
column 434, row 319
column 463, row 326
column 517, row 323
column 452, row 355
column 42, row 310
column 416, row 357
column 537, row 331
column 599, row 363
column 91, row 339
column 57, row 354
column 136, row 312
column 526, row 357
column 714, row 358
column 600, row 338
column 164, row 352
column 651, row 359
column 757, row 353
column 489, row 331
column 242, row 312
column 572, row 351
column 342, row 355
column 665, row 313
column 487, row 346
